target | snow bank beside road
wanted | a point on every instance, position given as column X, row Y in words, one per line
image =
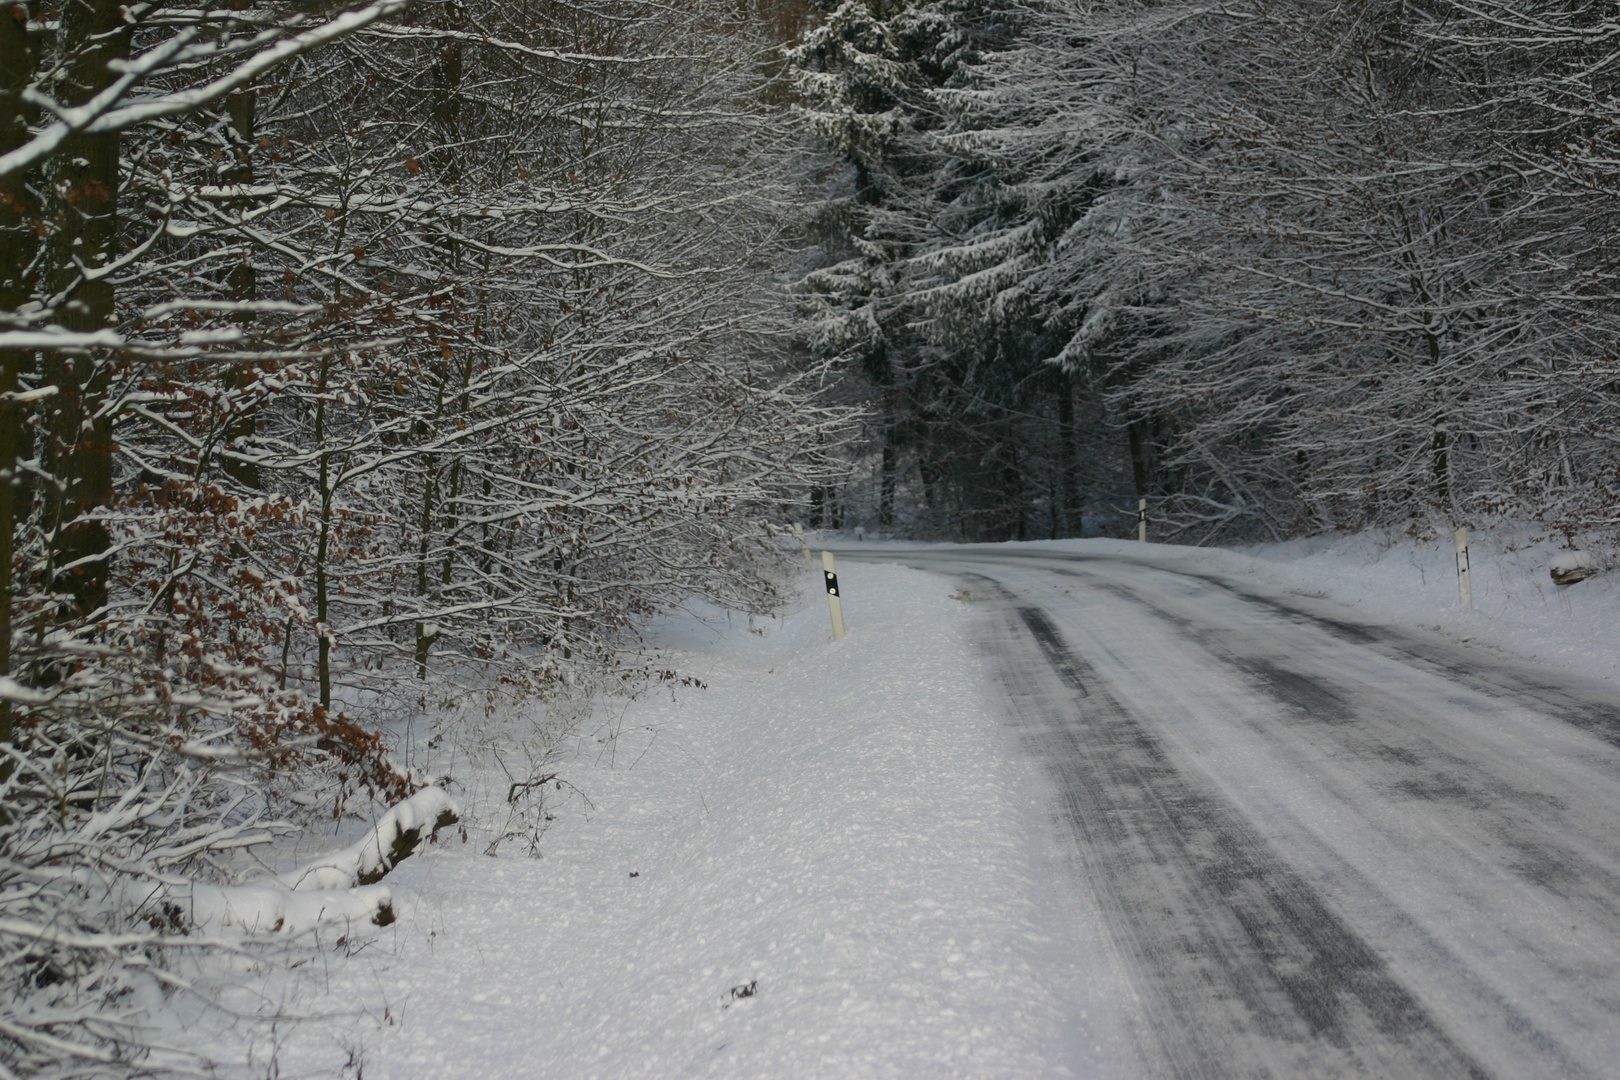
column 1517, row 608
column 1400, row 581
column 822, row 865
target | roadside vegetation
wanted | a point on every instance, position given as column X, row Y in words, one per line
column 358, row 363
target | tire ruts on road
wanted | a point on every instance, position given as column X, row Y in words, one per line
column 1243, row 970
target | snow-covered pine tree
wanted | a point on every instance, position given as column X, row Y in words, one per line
column 1361, row 333
column 858, row 89
column 956, row 394
column 1326, row 266
column 1010, row 282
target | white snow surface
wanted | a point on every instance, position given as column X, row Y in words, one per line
column 1407, row 581
column 847, row 828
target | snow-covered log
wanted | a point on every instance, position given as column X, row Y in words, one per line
column 270, row 907
column 394, row 837
column 1568, row 567
column 340, row 886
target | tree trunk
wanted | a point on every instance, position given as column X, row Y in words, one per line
column 424, row 638
column 323, row 640
column 1137, row 431
column 1068, row 467
column 18, row 245
column 886, row 482
column 1441, row 448
column 1013, row 478
column 243, row 284
column 78, row 450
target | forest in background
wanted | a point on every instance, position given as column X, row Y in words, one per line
column 362, row 362
column 1278, row 267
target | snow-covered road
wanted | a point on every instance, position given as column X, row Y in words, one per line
column 1125, row 813
column 1320, row 847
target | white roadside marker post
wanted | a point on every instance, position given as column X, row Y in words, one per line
column 798, row 531
column 1465, row 588
column 830, row 573
column 1141, row 520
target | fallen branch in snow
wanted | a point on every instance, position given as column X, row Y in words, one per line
column 1571, row 566
column 338, row 886
column 523, row 787
column 391, row 841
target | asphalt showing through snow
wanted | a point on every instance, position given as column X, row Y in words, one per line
column 1321, row 847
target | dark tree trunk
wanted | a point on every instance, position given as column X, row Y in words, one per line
column 1140, row 472
column 323, row 606
column 1068, row 467
column 1441, row 449
column 244, row 285
column 79, row 438
column 18, row 245
column 887, row 481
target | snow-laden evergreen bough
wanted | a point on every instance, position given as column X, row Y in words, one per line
column 355, row 363
column 874, row 80
column 1303, row 265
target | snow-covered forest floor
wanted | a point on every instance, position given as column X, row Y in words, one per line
column 828, row 860
column 841, row 828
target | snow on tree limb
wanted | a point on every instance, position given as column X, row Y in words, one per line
column 109, row 110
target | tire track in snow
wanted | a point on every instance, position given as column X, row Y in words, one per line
column 1449, row 804
column 1244, row 970
column 1518, row 846
column 1501, row 679
column 1390, row 744
column 1589, row 708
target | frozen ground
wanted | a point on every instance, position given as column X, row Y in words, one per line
column 841, row 828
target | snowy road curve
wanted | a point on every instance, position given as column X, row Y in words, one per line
column 1320, row 847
